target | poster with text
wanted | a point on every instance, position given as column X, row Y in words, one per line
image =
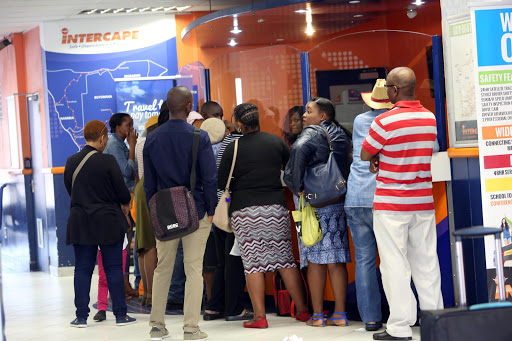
column 142, row 99
column 82, row 58
column 492, row 38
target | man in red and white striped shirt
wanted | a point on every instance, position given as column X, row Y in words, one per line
column 399, row 147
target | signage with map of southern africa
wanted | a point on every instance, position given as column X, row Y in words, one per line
column 81, row 59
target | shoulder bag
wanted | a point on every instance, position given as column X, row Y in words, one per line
column 173, row 210
column 80, row 165
column 324, row 183
column 221, row 217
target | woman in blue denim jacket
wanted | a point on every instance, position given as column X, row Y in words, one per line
column 332, row 252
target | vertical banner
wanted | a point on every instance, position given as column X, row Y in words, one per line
column 492, row 42
column 141, row 99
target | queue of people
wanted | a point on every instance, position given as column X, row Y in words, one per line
column 388, row 209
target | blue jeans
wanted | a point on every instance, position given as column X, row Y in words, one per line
column 177, row 288
column 85, row 260
column 360, row 221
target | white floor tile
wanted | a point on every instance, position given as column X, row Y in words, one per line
column 40, row 307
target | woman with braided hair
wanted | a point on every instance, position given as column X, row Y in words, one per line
column 259, row 213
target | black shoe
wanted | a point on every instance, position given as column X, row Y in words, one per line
column 246, row 316
column 101, row 315
column 385, row 336
column 211, row 317
column 373, row 326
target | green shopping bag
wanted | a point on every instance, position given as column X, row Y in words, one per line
column 307, row 224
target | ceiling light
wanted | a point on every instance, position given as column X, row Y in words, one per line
column 261, row 20
column 156, row 9
column 118, row 10
column 179, row 9
column 169, row 8
column 105, row 11
column 279, row 39
column 131, row 10
column 92, row 11
column 411, row 13
column 235, row 29
column 144, row 9
column 354, row 2
column 301, row 11
column 418, row 2
column 358, row 15
column 309, row 22
column 232, row 42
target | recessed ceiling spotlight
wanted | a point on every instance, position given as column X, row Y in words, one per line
column 418, row 2
column 261, row 20
column 301, row 11
column 236, row 30
column 354, row 2
column 279, row 39
column 358, row 15
column 232, row 42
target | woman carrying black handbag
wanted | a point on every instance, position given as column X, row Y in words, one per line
column 312, row 149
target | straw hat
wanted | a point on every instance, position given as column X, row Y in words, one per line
column 215, row 128
column 378, row 98
column 151, row 121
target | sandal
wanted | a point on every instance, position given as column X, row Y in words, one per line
column 330, row 320
column 316, row 317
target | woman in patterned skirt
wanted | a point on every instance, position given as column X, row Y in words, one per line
column 332, row 252
column 259, row 212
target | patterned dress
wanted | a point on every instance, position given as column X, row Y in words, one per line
column 263, row 233
column 334, row 246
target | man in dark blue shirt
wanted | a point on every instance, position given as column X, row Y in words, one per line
column 168, row 163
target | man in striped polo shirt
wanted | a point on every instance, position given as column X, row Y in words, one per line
column 399, row 147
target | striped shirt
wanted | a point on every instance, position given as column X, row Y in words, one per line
column 404, row 137
column 227, row 140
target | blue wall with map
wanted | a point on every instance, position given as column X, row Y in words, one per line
column 81, row 88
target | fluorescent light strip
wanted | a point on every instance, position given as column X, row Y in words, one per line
column 131, row 10
column 118, row 10
column 156, row 9
column 105, row 11
column 179, row 9
column 238, row 90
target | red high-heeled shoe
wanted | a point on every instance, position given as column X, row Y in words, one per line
column 303, row 317
column 261, row 323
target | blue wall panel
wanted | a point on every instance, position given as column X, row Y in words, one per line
column 467, row 207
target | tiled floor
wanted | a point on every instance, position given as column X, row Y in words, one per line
column 40, row 307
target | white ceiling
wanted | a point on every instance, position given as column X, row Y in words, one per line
column 20, row 15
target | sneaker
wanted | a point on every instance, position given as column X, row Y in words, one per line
column 124, row 321
column 79, row 323
column 158, row 334
column 197, row 336
column 101, row 315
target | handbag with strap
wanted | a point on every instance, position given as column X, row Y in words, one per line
column 221, row 217
column 173, row 210
column 307, row 224
column 80, row 165
column 324, row 183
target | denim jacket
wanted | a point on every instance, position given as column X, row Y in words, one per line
column 117, row 148
column 312, row 148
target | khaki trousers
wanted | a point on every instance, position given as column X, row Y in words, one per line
column 193, row 251
column 408, row 247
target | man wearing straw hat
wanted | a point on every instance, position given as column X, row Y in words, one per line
column 358, row 207
column 401, row 142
